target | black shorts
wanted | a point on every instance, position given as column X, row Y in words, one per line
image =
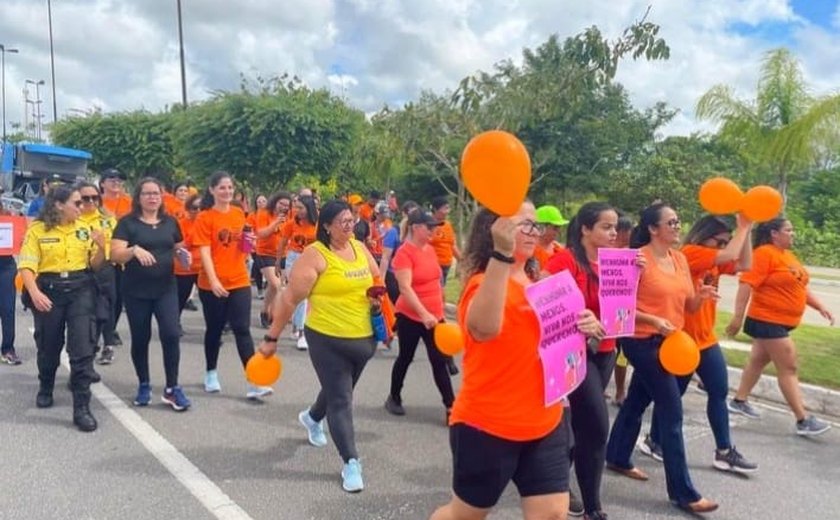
column 483, row 464
column 263, row 261
column 765, row 330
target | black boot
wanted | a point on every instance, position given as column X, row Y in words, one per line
column 44, row 399
column 82, row 417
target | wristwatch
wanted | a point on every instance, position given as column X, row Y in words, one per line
column 502, row 258
column 269, row 339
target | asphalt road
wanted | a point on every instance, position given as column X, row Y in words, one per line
column 229, row 458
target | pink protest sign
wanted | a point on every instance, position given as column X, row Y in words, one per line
column 618, row 280
column 557, row 301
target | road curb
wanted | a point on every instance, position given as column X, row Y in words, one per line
column 817, row 399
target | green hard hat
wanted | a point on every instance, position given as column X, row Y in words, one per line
column 550, row 215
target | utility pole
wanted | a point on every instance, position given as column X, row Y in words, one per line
column 52, row 63
column 3, row 51
column 183, row 69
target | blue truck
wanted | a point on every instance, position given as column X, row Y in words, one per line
column 25, row 166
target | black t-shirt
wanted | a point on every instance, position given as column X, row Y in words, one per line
column 361, row 231
column 159, row 240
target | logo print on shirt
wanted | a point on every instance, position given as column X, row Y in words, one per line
column 83, row 234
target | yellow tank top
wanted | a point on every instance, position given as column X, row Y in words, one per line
column 338, row 305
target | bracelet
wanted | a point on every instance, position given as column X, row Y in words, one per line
column 502, row 257
column 269, row 339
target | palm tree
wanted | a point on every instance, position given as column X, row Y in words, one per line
column 784, row 130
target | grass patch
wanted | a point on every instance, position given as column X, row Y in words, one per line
column 452, row 291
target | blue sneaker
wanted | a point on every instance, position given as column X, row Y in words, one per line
column 144, row 395
column 315, row 430
column 211, row 382
column 352, row 476
column 175, row 398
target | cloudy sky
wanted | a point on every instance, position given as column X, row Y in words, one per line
column 123, row 54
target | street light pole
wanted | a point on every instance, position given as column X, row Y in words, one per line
column 37, row 106
column 3, row 51
column 183, row 70
column 52, row 63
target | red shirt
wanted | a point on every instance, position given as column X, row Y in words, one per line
column 425, row 279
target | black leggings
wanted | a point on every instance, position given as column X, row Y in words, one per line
column 338, row 362
column 256, row 273
column 186, row 282
column 165, row 310
column 234, row 310
column 409, row 333
column 591, row 427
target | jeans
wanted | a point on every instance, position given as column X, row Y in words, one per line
column 165, row 310
column 651, row 382
column 591, row 426
column 299, row 317
column 713, row 373
column 8, row 271
column 409, row 333
column 339, row 363
column 235, row 310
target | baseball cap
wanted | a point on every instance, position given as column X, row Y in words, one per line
column 423, row 217
column 355, row 199
column 112, row 173
column 382, row 208
column 550, row 215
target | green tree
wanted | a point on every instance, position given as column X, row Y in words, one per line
column 784, row 130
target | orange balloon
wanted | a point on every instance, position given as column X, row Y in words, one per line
column 496, row 170
column 263, row 371
column 679, row 354
column 19, row 283
column 448, row 338
column 762, row 203
column 720, row 196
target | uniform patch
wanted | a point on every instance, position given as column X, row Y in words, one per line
column 83, row 234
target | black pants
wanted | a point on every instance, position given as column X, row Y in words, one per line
column 118, row 297
column 8, row 270
column 165, row 310
column 410, row 333
column 106, row 297
column 256, row 273
column 186, row 282
column 234, row 310
column 392, row 286
column 338, row 362
column 591, row 427
column 73, row 311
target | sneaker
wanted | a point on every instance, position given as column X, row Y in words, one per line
column 811, row 426
column 107, row 355
column 315, row 430
column 452, row 367
column 190, row 306
column 211, row 382
column 732, row 460
column 596, row 515
column 144, row 395
column 301, row 342
column 351, row 475
column 744, row 408
column 575, row 505
column 394, row 407
column 10, row 358
column 651, row 449
column 260, row 294
column 175, row 398
column 257, row 392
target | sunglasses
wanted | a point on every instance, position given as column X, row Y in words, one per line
column 90, row 198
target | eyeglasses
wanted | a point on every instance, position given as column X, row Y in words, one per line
column 674, row 223
column 90, row 198
column 345, row 222
column 150, row 194
column 529, row 227
column 115, row 180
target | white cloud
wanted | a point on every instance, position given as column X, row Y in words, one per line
column 123, row 55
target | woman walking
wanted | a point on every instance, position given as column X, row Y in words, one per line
column 268, row 226
column 61, row 252
column 665, row 294
column 297, row 233
column 777, row 291
column 419, row 309
column 334, row 273
column 224, row 285
column 145, row 242
column 186, row 272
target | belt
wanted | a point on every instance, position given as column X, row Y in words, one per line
column 64, row 275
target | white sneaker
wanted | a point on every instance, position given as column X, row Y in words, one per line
column 301, row 342
column 256, row 392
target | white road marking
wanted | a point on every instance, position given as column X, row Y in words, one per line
column 197, row 483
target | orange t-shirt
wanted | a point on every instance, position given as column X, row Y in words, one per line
column 663, row 294
column 542, row 255
column 779, row 284
column 174, row 206
column 267, row 246
column 502, row 391
column 443, row 241
column 223, row 233
column 700, row 325
column 366, row 212
column 187, row 228
column 118, row 206
column 298, row 234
